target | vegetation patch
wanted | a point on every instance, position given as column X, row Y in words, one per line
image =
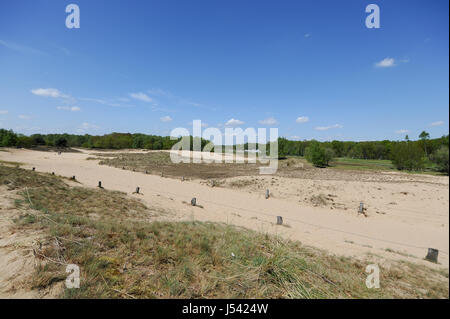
column 122, row 254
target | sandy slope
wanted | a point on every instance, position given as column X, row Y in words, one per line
column 407, row 223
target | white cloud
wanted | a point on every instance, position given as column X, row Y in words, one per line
column 69, row 108
column 325, row 128
column 24, row 117
column 302, row 119
column 307, row 35
column 268, row 121
column 3, row 112
column 166, row 118
column 385, row 63
column 437, row 123
column 401, row 131
column 50, row 92
column 141, row 97
column 234, row 122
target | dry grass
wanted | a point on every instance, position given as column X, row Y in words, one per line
column 123, row 255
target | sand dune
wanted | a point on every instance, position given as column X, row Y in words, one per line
column 406, row 216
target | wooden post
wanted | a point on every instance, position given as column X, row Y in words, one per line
column 73, row 177
column 279, row 220
column 361, row 208
column 137, row 190
column 432, row 255
column 146, row 172
column 194, row 201
column 100, row 184
column 34, row 168
column 267, row 194
column 53, row 173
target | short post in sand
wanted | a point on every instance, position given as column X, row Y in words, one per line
column 267, row 194
column 100, row 184
column 34, row 168
column 432, row 255
column 137, row 190
column 279, row 220
column 194, row 201
column 73, row 177
column 53, row 173
column 361, row 208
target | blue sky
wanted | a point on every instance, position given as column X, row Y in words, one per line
column 310, row 68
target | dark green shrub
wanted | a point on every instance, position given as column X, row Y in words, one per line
column 318, row 155
column 440, row 157
column 408, row 156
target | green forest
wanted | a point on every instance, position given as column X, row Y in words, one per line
column 405, row 154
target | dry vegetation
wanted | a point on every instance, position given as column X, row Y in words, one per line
column 292, row 167
column 123, row 252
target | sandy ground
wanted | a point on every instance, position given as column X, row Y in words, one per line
column 406, row 213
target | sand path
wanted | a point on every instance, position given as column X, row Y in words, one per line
column 336, row 231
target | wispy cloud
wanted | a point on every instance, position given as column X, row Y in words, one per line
column 50, row 92
column 302, row 119
column 166, row 118
column 437, row 123
column 3, row 112
column 401, row 131
column 85, row 126
column 268, row 121
column 24, row 117
column 326, row 128
column 385, row 63
column 164, row 94
column 307, row 35
column 69, row 108
column 141, row 97
column 112, row 102
column 234, row 122
column 21, row 48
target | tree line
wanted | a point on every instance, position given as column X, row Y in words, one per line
column 405, row 155
column 8, row 138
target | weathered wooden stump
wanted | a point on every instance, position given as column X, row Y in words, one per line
column 194, row 201
column 137, row 190
column 279, row 220
column 34, row 168
column 100, row 184
column 267, row 194
column 361, row 208
column 432, row 255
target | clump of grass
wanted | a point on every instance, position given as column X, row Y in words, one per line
column 123, row 257
column 240, row 183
